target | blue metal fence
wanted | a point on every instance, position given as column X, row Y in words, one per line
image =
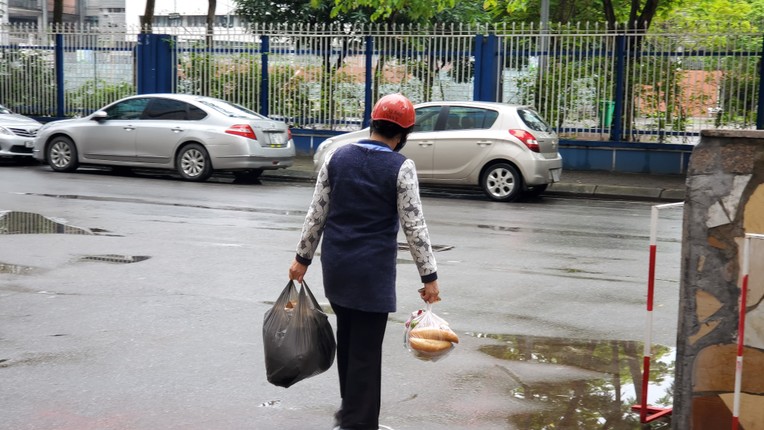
column 591, row 82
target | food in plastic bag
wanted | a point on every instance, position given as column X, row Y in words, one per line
column 428, row 336
column 297, row 337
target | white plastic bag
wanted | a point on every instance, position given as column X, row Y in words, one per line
column 428, row 336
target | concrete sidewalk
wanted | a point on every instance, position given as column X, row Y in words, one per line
column 669, row 188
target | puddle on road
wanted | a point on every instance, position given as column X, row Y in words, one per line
column 14, row 222
column 571, row 233
column 16, row 269
column 35, row 359
column 164, row 203
column 115, row 258
column 587, row 404
column 270, row 404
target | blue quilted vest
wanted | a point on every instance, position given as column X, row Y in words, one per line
column 359, row 247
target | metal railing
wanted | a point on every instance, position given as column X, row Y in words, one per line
column 590, row 82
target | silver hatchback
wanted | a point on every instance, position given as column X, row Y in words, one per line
column 507, row 150
column 193, row 135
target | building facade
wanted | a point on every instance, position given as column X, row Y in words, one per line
column 109, row 13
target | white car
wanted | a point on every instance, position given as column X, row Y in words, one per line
column 193, row 135
column 17, row 133
column 507, row 150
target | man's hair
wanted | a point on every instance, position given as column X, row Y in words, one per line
column 389, row 129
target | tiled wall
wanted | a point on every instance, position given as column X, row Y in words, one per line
column 724, row 201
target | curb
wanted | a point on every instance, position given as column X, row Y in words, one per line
column 559, row 188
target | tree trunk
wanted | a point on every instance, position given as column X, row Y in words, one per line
column 147, row 19
column 58, row 13
column 211, row 6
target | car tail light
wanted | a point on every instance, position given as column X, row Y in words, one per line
column 243, row 130
column 528, row 139
column 289, row 134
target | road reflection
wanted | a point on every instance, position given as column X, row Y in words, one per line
column 587, row 404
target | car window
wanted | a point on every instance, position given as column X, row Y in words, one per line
column 533, row 120
column 128, row 109
column 468, row 118
column 164, row 109
column 195, row 113
column 426, row 118
column 230, row 109
column 160, row 108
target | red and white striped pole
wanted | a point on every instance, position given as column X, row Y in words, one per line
column 644, row 409
column 741, row 327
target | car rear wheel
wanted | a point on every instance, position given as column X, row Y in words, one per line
column 501, row 182
column 193, row 163
column 62, row 154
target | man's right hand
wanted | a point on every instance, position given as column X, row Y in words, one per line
column 430, row 293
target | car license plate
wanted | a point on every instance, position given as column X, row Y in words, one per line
column 29, row 144
column 556, row 173
column 277, row 139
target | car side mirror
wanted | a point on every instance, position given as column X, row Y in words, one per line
column 99, row 115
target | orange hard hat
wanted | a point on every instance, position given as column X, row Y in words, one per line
column 395, row 108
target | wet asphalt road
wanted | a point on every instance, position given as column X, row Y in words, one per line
column 547, row 295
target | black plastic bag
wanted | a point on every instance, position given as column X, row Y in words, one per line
column 297, row 337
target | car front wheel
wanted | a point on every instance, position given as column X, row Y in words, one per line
column 501, row 182
column 193, row 163
column 62, row 154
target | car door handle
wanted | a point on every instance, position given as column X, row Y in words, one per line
column 425, row 143
column 484, row 143
column 128, row 128
column 176, row 130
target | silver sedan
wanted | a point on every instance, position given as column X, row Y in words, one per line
column 507, row 150
column 193, row 135
column 17, row 134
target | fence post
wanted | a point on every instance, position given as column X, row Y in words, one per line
column 616, row 130
column 156, row 63
column 367, row 102
column 486, row 84
column 59, row 64
column 760, row 104
column 265, row 48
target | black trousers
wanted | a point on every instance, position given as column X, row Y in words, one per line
column 359, row 363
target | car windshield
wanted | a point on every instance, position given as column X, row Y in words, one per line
column 4, row 110
column 533, row 120
column 230, row 109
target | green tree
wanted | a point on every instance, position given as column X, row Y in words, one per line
column 389, row 10
column 559, row 11
column 636, row 14
column 711, row 16
column 297, row 12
